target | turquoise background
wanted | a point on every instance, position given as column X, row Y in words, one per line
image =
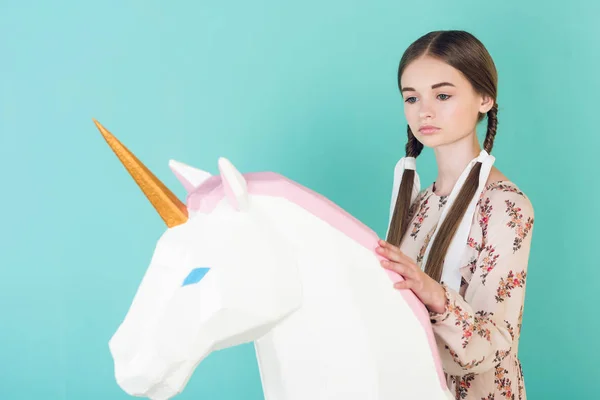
column 307, row 89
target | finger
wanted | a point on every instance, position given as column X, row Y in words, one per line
column 388, row 252
column 395, row 249
column 394, row 254
column 387, row 245
column 403, row 285
column 403, row 257
column 402, row 269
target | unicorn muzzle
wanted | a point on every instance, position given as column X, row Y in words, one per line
column 146, row 375
column 138, row 376
column 143, row 371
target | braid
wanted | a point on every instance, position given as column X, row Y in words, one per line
column 413, row 146
column 490, row 135
column 401, row 215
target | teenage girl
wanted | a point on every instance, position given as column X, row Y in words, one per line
column 462, row 243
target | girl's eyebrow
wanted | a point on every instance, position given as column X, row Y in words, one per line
column 437, row 85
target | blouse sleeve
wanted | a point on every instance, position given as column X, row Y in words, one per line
column 476, row 335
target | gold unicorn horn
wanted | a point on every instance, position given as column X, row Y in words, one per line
column 168, row 206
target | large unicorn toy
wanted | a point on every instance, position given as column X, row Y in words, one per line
column 259, row 258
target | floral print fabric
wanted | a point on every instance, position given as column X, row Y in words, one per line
column 478, row 333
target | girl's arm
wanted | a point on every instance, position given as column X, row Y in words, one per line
column 476, row 335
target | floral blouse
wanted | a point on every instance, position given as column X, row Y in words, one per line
column 478, row 334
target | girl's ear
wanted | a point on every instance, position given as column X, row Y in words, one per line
column 487, row 102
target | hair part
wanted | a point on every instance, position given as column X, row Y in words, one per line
column 468, row 55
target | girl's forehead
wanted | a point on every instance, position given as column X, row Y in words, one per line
column 425, row 73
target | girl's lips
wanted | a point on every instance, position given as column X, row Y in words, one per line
column 428, row 129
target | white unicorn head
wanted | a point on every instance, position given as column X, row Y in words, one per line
column 198, row 294
column 257, row 258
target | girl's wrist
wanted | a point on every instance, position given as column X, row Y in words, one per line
column 439, row 303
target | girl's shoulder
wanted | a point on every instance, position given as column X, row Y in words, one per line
column 498, row 183
column 503, row 195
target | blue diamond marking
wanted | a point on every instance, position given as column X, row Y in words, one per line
column 195, row 276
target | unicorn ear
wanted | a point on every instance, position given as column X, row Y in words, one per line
column 189, row 176
column 234, row 184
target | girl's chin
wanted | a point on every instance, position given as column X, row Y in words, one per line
column 431, row 140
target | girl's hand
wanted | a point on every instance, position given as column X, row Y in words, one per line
column 430, row 292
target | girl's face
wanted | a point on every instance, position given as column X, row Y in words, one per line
column 440, row 104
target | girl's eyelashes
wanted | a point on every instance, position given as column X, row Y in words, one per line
column 442, row 97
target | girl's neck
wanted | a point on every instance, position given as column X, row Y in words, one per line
column 452, row 159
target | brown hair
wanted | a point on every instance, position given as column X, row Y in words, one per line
column 467, row 54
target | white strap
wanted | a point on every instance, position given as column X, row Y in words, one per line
column 401, row 165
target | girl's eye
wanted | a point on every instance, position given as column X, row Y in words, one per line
column 410, row 100
column 446, row 96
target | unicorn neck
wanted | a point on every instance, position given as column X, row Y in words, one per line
column 342, row 340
